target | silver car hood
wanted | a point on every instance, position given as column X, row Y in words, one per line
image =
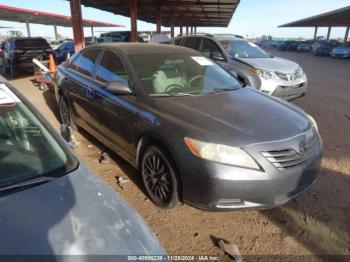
column 77, row 214
column 272, row 64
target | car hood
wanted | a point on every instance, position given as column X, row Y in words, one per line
column 77, row 214
column 272, row 64
column 236, row 118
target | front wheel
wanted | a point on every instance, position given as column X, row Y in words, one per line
column 65, row 113
column 159, row 178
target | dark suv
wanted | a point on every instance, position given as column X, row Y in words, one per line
column 117, row 36
column 19, row 52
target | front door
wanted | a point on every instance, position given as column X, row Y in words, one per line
column 115, row 113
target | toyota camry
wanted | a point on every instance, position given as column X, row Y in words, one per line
column 195, row 133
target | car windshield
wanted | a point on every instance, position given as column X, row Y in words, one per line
column 243, row 49
column 27, row 149
column 181, row 74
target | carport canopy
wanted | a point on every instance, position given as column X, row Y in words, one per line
column 336, row 18
column 169, row 13
column 207, row 13
column 15, row 14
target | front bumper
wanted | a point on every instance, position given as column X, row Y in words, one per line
column 287, row 90
column 216, row 186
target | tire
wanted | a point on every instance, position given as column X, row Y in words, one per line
column 160, row 177
column 43, row 86
column 66, row 113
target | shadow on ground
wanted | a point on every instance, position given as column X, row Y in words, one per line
column 319, row 220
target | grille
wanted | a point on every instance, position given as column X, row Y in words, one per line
column 288, row 158
column 287, row 77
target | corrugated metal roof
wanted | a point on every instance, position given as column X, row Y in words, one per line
column 180, row 12
column 339, row 17
column 15, row 14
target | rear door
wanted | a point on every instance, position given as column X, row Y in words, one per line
column 80, row 77
column 115, row 113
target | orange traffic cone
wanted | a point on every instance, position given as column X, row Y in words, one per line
column 52, row 63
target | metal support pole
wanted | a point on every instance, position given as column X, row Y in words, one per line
column 159, row 19
column 187, row 30
column 77, row 24
column 28, row 29
column 195, row 30
column 191, row 30
column 329, row 32
column 172, row 29
column 133, row 20
column 346, row 34
column 92, row 34
column 181, row 30
column 56, row 34
column 315, row 33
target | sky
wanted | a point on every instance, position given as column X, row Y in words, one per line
column 252, row 18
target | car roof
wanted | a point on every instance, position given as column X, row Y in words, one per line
column 144, row 48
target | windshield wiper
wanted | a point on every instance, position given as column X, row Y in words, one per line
column 26, row 184
column 218, row 90
column 171, row 95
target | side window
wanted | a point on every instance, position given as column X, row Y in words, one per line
column 191, row 42
column 111, row 68
column 87, row 61
column 75, row 61
column 210, row 48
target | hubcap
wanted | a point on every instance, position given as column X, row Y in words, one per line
column 157, row 177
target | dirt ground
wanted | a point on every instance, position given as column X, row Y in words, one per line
column 318, row 223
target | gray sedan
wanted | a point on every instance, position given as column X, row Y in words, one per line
column 52, row 204
column 196, row 135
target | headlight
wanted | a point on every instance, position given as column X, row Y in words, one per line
column 220, row 153
column 265, row 74
column 300, row 73
column 313, row 121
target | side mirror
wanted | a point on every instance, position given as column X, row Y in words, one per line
column 118, row 88
column 217, row 56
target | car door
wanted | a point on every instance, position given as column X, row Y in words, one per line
column 80, row 74
column 115, row 113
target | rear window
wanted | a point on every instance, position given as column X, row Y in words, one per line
column 20, row 43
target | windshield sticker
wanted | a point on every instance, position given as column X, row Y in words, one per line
column 7, row 97
column 203, row 61
column 252, row 44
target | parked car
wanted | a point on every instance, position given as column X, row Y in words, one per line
column 194, row 133
column 20, row 51
column 66, row 49
column 282, row 46
column 89, row 40
column 50, row 202
column 323, row 47
column 293, row 46
column 341, row 51
column 252, row 65
column 117, row 36
column 305, row 46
